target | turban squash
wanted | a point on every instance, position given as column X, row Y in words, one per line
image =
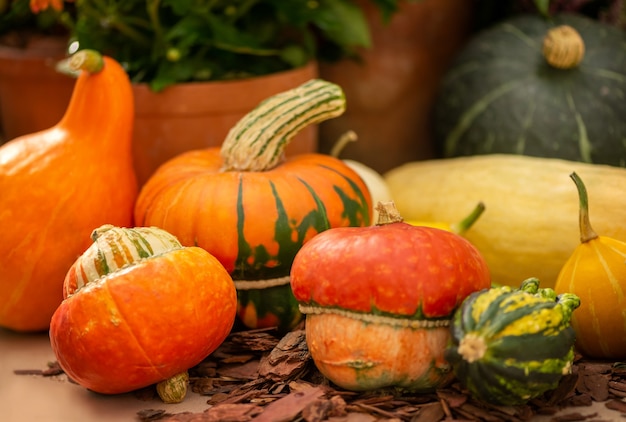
column 139, row 309
column 253, row 208
column 378, row 301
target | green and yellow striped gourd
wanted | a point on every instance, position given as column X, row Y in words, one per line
column 511, row 345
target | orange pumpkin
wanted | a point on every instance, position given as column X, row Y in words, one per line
column 596, row 273
column 251, row 207
column 60, row 184
column 139, row 309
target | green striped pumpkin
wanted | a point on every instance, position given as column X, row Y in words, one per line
column 504, row 93
column 511, row 345
column 252, row 207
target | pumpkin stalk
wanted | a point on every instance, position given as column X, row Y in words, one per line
column 563, row 47
column 257, row 142
column 88, row 60
column 174, row 389
column 587, row 233
column 472, row 347
column 388, row 213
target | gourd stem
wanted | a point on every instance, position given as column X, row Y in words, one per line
column 88, row 60
column 568, row 302
column 174, row 389
column 388, row 213
column 257, row 142
column 563, row 47
column 465, row 224
column 472, row 347
column 586, row 231
column 349, row 136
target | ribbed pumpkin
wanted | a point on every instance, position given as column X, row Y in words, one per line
column 138, row 309
column 379, row 299
column 58, row 185
column 511, row 345
column 251, row 207
column 596, row 271
column 524, row 87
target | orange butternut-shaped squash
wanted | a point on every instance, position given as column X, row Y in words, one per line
column 58, row 185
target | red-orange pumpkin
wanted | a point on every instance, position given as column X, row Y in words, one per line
column 58, row 185
column 252, row 208
column 378, row 301
column 139, row 309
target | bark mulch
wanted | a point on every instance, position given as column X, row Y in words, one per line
column 257, row 375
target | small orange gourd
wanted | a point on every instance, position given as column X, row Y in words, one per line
column 59, row 184
column 596, row 272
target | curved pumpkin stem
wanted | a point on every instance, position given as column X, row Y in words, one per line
column 349, row 136
column 587, row 233
column 258, row 141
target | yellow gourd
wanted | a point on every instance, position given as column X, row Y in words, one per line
column 459, row 227
column 596, row 272
column 530, row 226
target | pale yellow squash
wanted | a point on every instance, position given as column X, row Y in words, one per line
column 530, row 225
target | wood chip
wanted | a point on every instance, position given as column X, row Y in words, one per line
column 287, row 408
column 288, row 359
column 617, row 405
column 257, row 375
column 429, row 413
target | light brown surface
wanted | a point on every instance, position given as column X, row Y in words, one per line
column 27, row 398
column 33, row 398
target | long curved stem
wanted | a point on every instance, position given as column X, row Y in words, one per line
column 586, row 231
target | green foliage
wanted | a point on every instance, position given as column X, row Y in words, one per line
column 162, row 42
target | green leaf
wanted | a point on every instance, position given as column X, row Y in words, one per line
column 344, row 23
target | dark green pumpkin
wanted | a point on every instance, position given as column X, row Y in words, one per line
column 511, row 345
column 501, row 95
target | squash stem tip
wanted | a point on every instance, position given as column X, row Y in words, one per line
column 174, row 389
column 563, row 47
column 388, row 213
column 465, row 224
column 472, row 347
column 349, row 136
column 88, row 60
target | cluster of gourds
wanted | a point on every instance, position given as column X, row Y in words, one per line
column 243, row 231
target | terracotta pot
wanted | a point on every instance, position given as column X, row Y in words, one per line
column 200, row 114
column 390, row 94
column 33, row 95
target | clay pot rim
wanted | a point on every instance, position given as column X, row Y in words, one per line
column 221, row 92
